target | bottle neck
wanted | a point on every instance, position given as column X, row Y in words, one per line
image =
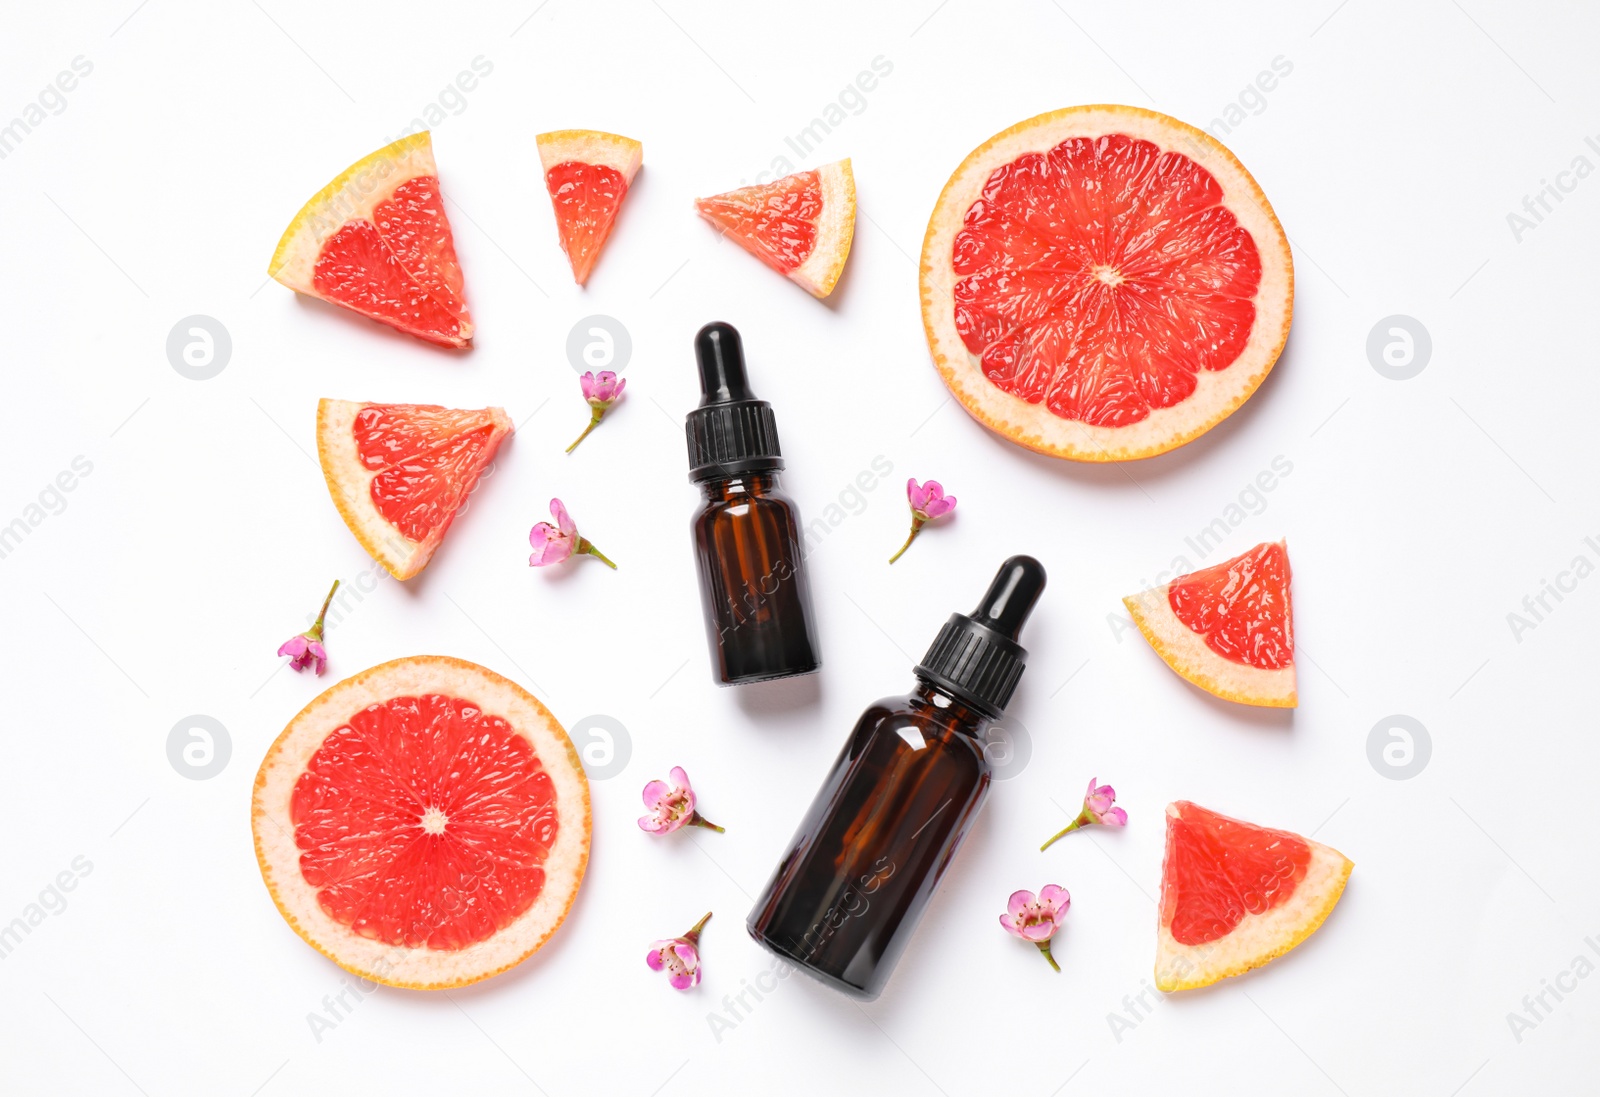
column 736, row 487
column 950, row 710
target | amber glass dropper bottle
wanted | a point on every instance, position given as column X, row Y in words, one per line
column 747, row 532
column 862, row 866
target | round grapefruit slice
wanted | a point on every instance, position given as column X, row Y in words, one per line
column 376, row 241
column 1235, row 895
column 1104, row 283
column 588, row 174
column 399, row 472
column 800, row 226
column 423, row 824
column 1228, row 628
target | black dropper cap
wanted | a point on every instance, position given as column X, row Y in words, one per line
column 976, row 657
column 731, row 433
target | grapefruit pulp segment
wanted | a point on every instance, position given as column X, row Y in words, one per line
column 424, row 824
column 398, row 473
column 801, row 225
column 376, row 240
column 1235, row 895
column 587, row 173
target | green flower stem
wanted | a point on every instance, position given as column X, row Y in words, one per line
column 586, row 545
column 698, row 820
column 315, row 631
column 1081, row 820
column 594, row 421
column 1044, row 947
column 693, row 936
column 916, row 526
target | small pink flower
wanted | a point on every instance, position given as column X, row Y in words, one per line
column 1099, row 806
column 601, row 391
column 553, row 544
column 928, row 501
column 679, row 957
column 672, row 806
column 306, row 650
column 1037, row 919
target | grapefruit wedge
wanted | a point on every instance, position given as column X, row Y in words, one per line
column 399, row 472
column 423, row 824
column 588, row 174
column 1228, row 628
column 376, row 241
column 1235, row 895
column 1104, row 283
column 800, row 226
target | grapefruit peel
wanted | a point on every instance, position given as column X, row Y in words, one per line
column 278, row 855
column 1218, row 393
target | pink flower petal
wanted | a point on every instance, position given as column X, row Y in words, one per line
column 1019, row 902
column 1039, row 931
column 1055, row 897
column 586, row 383
column 679, row 777
column 655, row 792
column 686, row 952
column 1116, row 817
column 1009, row 924
column 653, row 958
column 685, row 981
column 564, row 520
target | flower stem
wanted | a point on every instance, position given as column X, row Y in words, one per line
column 698, row 820
column 594, row 421
column 1083, row 817
column 916, row 526
column 1044, row 947
column 586, row 545
column 315, row 631
column 693, row 936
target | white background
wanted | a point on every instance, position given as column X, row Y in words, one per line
column 1419, row 514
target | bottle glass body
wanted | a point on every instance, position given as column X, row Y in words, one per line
column 752, row 581
column 864, row 863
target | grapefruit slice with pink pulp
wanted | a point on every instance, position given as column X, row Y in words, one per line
column 424, row 824
column 1104, row 283
column 399, row 473
column 800, row 226
column 377, row 241
column 1228, row 628
column 588, row 173
column 1235, row 895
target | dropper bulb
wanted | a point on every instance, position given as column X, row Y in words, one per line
column 720, row 353
column 1011, row 596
